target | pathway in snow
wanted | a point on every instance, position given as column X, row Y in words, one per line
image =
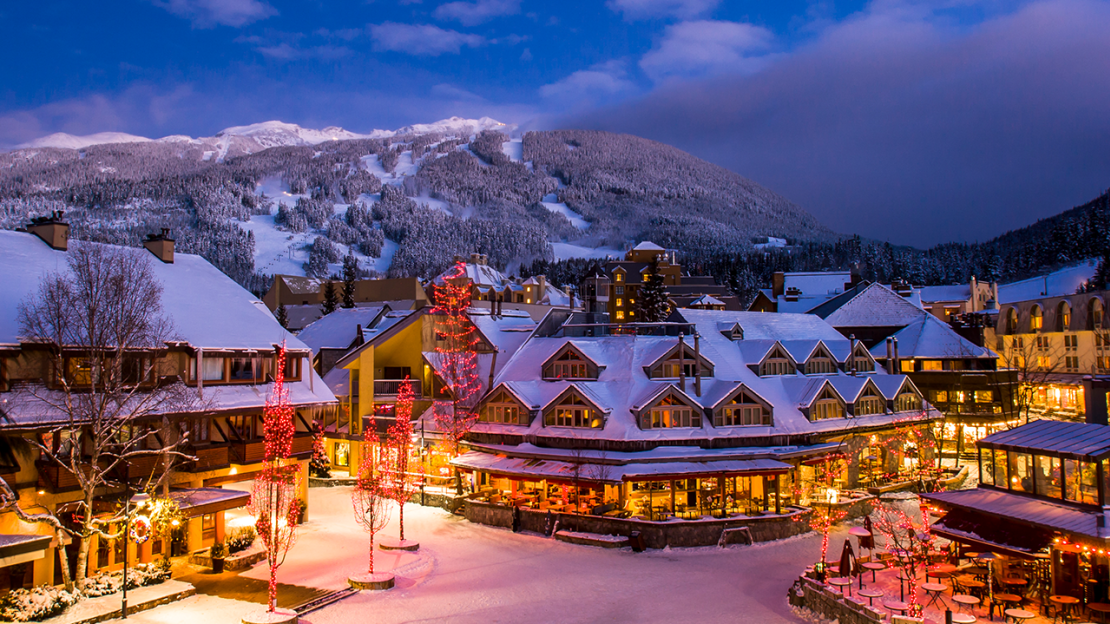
column 564, row 251
column 471, row 573
column 514, row 149
column 550, row 202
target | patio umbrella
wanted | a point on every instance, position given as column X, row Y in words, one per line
column 871, row 530
column 847, row 560
column 864, row 537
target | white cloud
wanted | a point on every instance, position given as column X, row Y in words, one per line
column 209, row 13
column 702, row 48
column 451, row 92
column 421, row 39
column 286, row 52
column 590, row 86
column 473, row 13
column 647, row 9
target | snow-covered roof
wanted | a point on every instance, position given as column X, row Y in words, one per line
column 930, row 337
column 339, row 329
column 1040, row 513
column 875, row 306
column 648, row 246
column 597, row 471
column 817, row 282
column 707, row 300
column 623, row 388
column 1056, row 284
column 208, row 309
column 479, row 275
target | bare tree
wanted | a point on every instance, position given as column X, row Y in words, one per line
column 1031, row 360
column 104, row 404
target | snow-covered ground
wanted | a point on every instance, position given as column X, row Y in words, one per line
column 1058, row 283
column 565, row 251
column 771, row 242
column 550, row 202
column 472, row 573
column 514, row 149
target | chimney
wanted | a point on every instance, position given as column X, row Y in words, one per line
column 475, row 258
column 359, row 336
column 994, row 295
column 852, row 354
column 897, row 364
column 890, row 355
column 492, row 367
column 161, row 245
column 681, row 363
column 778, row 284
column 697, row 364
column 542, row 281
column 793, row 293
column 52, row 230
column 974, row 295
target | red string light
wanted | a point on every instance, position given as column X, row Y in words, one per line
column 274, row 501
column 458, row 357
column 397, row 478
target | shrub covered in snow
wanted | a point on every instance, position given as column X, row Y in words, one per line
column 240, row 539
column 38, row 603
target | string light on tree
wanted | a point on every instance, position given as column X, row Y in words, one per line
column 398, row 479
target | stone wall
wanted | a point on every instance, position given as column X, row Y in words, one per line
column 809, row 594
column 676, row 533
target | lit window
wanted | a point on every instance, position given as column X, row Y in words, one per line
column 620, row 302
column 907, row 366
column 827, row 406
column 671, row 413
column 620, row 315
column 618, row 277
column 502, row 409
column 931, row 365
column 777, row 363
column 907, row 402
column 870, row 405
column 1036, row 318
column 742, row 411
column 820, row 365
column 984, row 396
column 573, row 412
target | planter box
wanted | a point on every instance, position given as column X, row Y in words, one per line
column 238, row 561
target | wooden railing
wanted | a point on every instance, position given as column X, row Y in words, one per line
column 56, row 478
column 255, row 451
column 209, row 458
column 392, row 387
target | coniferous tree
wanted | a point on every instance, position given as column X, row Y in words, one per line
column 653, row 296
column 282, row 316
column 350, row 274
column 331, row 301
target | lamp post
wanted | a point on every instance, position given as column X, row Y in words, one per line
column 140, row 499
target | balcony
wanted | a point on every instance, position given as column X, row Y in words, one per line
column 254, row 451
column 209, row 458
column 55, row 478
column 392, row 387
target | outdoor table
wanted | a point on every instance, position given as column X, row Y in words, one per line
column 976, row 571
column 963, row 618
column 965, row 601
column 1019, row 615
column 874, row 566
column 972, row 585
column 936, row 592
column 1065, row 604
column 871, row 595
column 946, row 568
column 842, row 582
column 900, row 607
column 1101, row 608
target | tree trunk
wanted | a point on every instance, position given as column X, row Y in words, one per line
column 63, row 559
column 82, row 562
column 401, row 521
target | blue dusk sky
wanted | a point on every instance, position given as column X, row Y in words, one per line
column 914, row 121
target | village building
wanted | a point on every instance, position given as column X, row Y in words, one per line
column 950, row 301
column 956, row 375
column 800, row 292
column 616, row 289
column 224, row 350
column 493, row 290
column 713, row 412
column 303, row 297
column 1058, row 347
column 1040, row 503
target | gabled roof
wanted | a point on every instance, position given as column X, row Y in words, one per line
column 208, row 309
column 874, row 306
column 850, row 388
column 651, row 395
column 338, row 330
column 570, row 346
column 404, row 319
column 929, row 337
column 939, row 294
column 805, row 390
column 582, row 391
column 648, row 246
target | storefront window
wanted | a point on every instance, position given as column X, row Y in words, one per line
column 342, row 454
column 1048, row 476
column 986, row 467
column 1000, row 471
column 1082, row 481
column 1020, row 479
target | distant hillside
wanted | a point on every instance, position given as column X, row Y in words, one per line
column 275, row 197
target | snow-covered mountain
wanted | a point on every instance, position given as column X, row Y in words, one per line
column 267, row 134
column 69, row 141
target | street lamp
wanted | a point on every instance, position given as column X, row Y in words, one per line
column 140, row 499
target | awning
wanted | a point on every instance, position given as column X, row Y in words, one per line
column 22, row 548
column 536, row 469
column 989, row 533
column 999, row 505
column 202, row 501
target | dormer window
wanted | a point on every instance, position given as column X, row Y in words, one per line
column 671, row 366
column 618, row 276
column 1036, row 318
column 777, row 363
column 908, row 402
column 670, row 413
column 569, row 363
column 827, row 406
column 742, row 411
column 502, row 409
column 821, row 363
column 573, row 412
column 870, row 403
column 862, row 361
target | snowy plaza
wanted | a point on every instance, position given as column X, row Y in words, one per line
column 466, row 572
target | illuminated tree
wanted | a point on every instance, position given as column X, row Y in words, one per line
column 319, row 465
column 274, row 501
column 456, row 344
column 398, row 480
column 370, row 500
column 909, row 543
